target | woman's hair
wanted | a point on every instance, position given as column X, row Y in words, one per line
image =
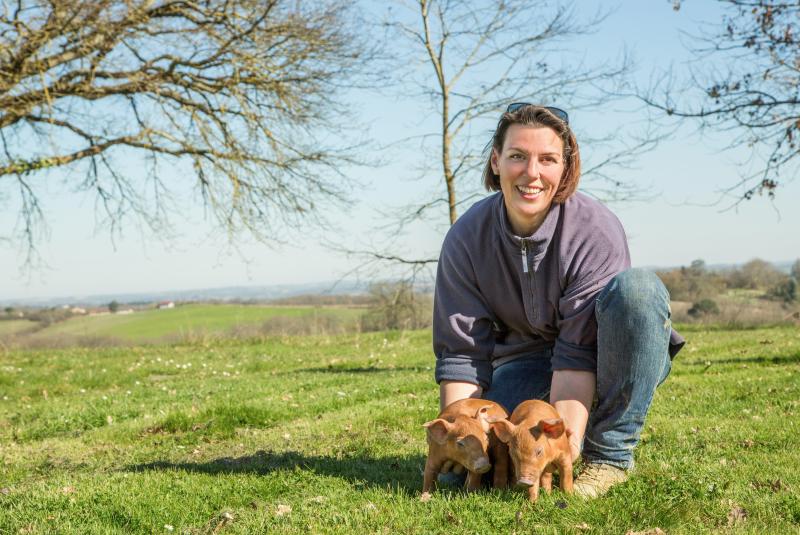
column 538, row 117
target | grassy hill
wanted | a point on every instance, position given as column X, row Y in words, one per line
column 9, row 327
column 322, row 434
column 182, row 322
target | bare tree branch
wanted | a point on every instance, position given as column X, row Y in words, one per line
column 755, row 97
column 243, row 91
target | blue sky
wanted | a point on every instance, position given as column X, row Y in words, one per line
column 673, row 227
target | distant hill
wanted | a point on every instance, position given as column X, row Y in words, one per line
column 785, row 266
column 262, row 293
column 228, row 293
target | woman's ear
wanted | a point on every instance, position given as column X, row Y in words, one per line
column 494, row 159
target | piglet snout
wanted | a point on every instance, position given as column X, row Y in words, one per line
column 482, row 466
column 524, row 482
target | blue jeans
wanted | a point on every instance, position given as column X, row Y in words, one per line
column 633, row 329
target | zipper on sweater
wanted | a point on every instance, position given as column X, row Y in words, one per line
column 524, row 252
column 530, row 309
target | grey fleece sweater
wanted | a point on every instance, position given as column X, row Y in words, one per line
column 499, row 296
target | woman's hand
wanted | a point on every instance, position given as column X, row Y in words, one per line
column 450, row 391
column 572, row 393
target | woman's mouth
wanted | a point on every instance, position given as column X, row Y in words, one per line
column 529, row 192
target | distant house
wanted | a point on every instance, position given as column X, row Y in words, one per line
column 165, row 304
column 78, row 310
column 125, row 312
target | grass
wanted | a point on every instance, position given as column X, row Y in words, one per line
column 181, row 323
column 323, row 435
column 8, row 327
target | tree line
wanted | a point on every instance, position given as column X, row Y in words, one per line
column 699, row 285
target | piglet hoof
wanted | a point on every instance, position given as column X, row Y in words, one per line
column 426, row 497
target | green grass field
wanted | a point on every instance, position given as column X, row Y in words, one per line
column 323, row 435
column 184, row 322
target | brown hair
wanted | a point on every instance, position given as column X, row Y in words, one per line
column 538, row 117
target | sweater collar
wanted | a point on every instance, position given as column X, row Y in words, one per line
column 536, row 242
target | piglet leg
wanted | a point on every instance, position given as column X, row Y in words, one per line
column 565, row 473
column 473, row 481
column 546, row 480
column 432, row 467
column 500, row 480
column 533, row 492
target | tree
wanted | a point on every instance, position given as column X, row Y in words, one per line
column 239, row 93
column 756, row 274
column 483, row 56
column 795, row 270
column 397, row 306
column 697, row 268
column 755, row 95
column 704, row 307
column 785, row 290
column 113, row 307
column 694, row 283
column 467, row 62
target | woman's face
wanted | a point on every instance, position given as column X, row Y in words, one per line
column 530, row 166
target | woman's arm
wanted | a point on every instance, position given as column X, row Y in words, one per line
column 450, row 391
column 572, row 393
column 595, row 251
column 463, row 341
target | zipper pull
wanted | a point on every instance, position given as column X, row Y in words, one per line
column 524, row 257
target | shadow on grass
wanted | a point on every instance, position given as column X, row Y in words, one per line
column 395, row 472
column 778, row 359
column 363, row 369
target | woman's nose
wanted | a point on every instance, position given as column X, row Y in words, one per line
column 533, row 168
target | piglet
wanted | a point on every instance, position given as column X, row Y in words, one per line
column 462, row 434
column 538, row 443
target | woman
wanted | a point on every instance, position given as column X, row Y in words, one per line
column 535, row 299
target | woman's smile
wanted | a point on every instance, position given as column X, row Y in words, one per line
column 530, row 192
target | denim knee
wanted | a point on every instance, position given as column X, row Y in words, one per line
column 632, row 293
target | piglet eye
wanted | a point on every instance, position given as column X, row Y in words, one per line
column 460, row 443
column 539, row 452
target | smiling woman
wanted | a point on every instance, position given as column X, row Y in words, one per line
column 535, row 299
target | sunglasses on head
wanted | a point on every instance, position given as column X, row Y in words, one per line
column 558, row 112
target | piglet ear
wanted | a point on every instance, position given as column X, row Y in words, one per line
column 552, row 427
column 483, row 417
column 438, row 429
column 503, row 429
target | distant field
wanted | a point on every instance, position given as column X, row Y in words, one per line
column 14, row 326
column 741, row 308
column 186, row 321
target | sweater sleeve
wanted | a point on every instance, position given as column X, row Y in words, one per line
column 594, row 261
column 462, row 324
